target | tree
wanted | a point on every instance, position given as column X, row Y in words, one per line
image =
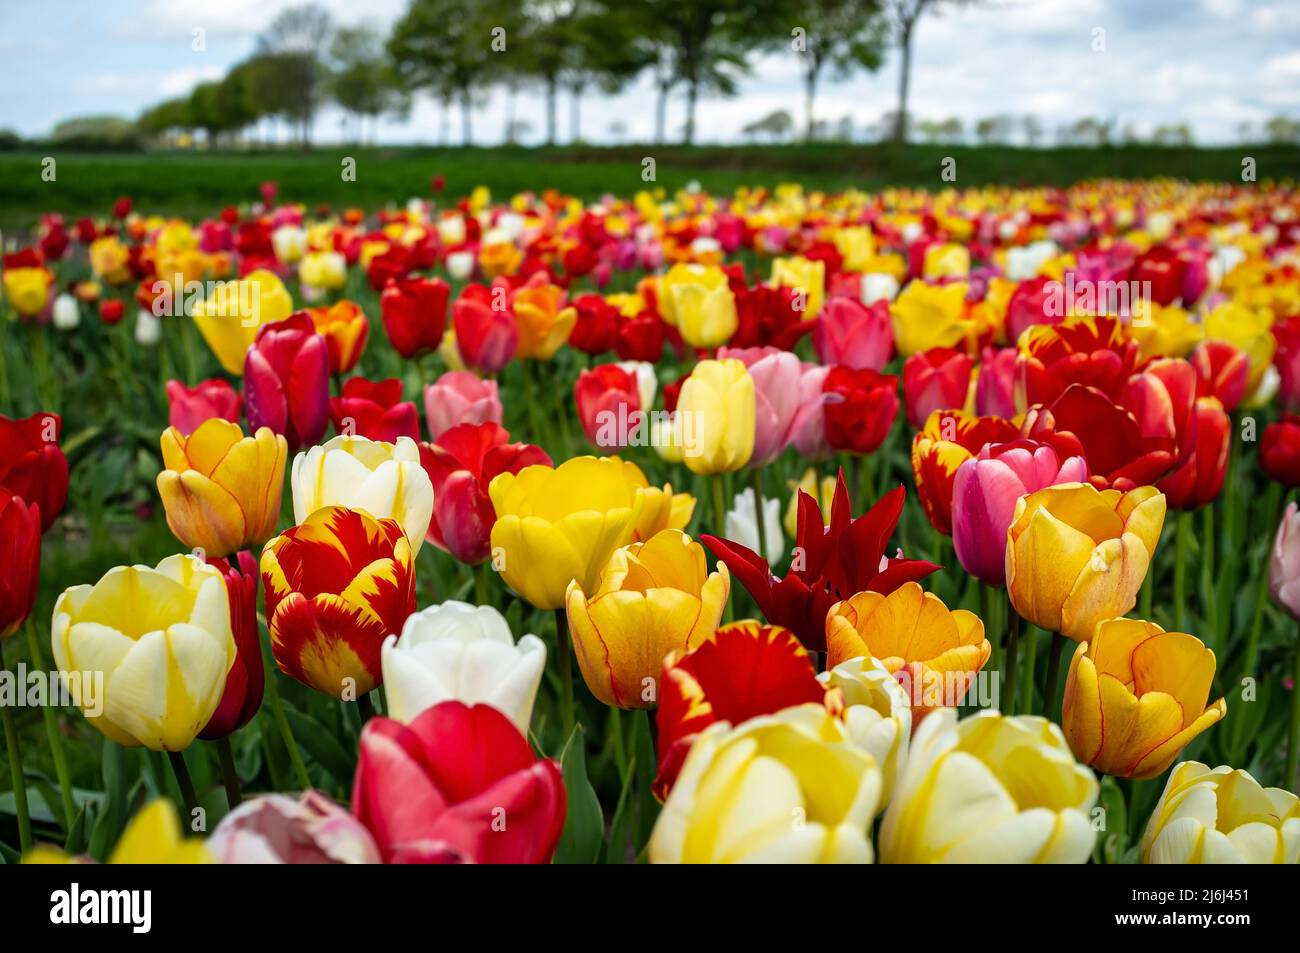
column 203, row 111
column 298, row 37
column 993, row 129
column 275, row 81
column 547, row 46
column 1031, row 128
column 842, row 34
column 904, row 14
column 362, row 79
column 1282, row 131
column 776, row 125
column 602, row 52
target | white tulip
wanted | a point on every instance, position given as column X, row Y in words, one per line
column 647, row 384
column 289, row 242
column 67, row 315
column 148, row 328
column 741, row 524
column 451, row 230
column 456, row 651
column 878, row 286
column 460, row 265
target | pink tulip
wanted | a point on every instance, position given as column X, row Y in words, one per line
column 937, row 379
column 995, row 386
column 808, row 431
column 1284, row 565
column 984, row 495
column 776, row 375
column 853, row 335
column 275, row 829
column 460, row 397
column 190, row 406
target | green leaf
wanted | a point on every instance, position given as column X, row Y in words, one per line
column 646, row 764
column 76, row 839
column 621, row 826
column 320, row 744
column 584, row 826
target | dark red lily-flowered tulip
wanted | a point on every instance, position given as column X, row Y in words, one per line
column 286, row 381
column 486, row 337
column 190, row 406
column 414, row 311
column 1222, row 371
column 1279, row 451
column 32, row 465
column 1198, row 481
column 936, row 379
column 375, row 410
column 460, row 464
column 20, row 560
column 833, row 563
column 860, row 408
column 607, row 398
column 245, row 681
column 459, row 784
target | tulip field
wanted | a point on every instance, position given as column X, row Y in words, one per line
column 772, row 524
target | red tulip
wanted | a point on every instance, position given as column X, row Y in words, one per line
column 1279, row 451
column 122, row 207
column 1222, row 371
column 995, row 386
column 1092, row 351
column 832, row 563
column 32, row 465
column 1032, row 304
column 459, row 784
column 190, row 406
column 111, row 310
column 609, row 405
column 20, row 560
column 1198, row 481
column 860, row 408
column 486, row 337
column 767, row 317
column 747, row 669
column 375, row 409
column 414, row 312
column 596, row 329
column 1287, row 361
column 1164, row 269
column 1162, row 398
column 460, row 464
column 855, row 336
column 937, row 379
column 286, row 381
column 642, row 338
column 245, row 680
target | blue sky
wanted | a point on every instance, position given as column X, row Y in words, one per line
column 1213, row 64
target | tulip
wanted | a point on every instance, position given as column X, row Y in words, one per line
column 989, row 789
column 148, row 328
column 154, row 836
column 876, row 712
column 27, row 288
column 651, row 599
column 744, row 670
column 1249, row 330
column 1034, row 302
column 286, row 381
column 1199, row 480
column 276, row 829
column 557, row 525
column 697, row 300
column 948, row 440
column 933, row 652
column 995, row 383
column 926, row 316
column 741, row 525
column 821, row 490
column 456, row 651
column 231, row 317
column 20, row 560
column 805, row 276
column 719, row 404
column 769, row 317
column 325, row 270
column 937, row 379
column 460, row 397
column 776, row 376
column 1279, row 451
column 374, row 409
column 608, row 400
column 32, row 465
column 191, row 406
column 66, row 315
column 948, row 260
column 1221, row 816
column 860, row 409
column 1135, row 696
column 458, row 784
column 345, row 330
column 854, row 336
column 414, row 312
column 162, row 639
column 221, row 490
column 242, row 696
column 785, row 788
column 878, row 286
column 1222, row 371
column 1286, row 359
column 384, row 479
column 1284, row 563
column 1077, row 555
column 1092, row 351
column 661, row 508
column 808, row 429
column 543, row 320
column 337, row 585
column 486, row 337
column 985, row 491
column 596, row 327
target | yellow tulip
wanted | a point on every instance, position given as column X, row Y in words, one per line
column 663, row 508
column 162, row 639
column 221, row 490
column 822, row 491
column 1249, row 330
column 544, row 322
column 327, row 270
column 876, row 712
column 109, row 260
column 1077, row 555
column 719, row 407
column 803, row 275
column 856, row 245
column 1221, row 816
column 154, row 836
column 231, row 316
column 653, row 598
column 1135, row 697
column 926, row 316
column 556, row 525
column 989, row 789
column 697, row 300
column 28, row 289
column 946, row 261
column 934, row 652
column 1163, row 331
column 785, row 788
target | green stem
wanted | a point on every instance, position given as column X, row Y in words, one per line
column 229, row 773
column 277, row 712
column 365, row 708
column 1013, row 658
column 1031, row 665
column 1261, row 585
column 986, row 614
column 1209, row 608
column 1182, row 543
column 56, row 739
column 566, row 670
column 756, row 481
column 16, row 769
column 1050, row 708
column 1148, row 588
column 185, row 783
column 620, row 749
column 1293, row 736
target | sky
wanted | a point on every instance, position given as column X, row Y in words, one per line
column 1212, row 64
